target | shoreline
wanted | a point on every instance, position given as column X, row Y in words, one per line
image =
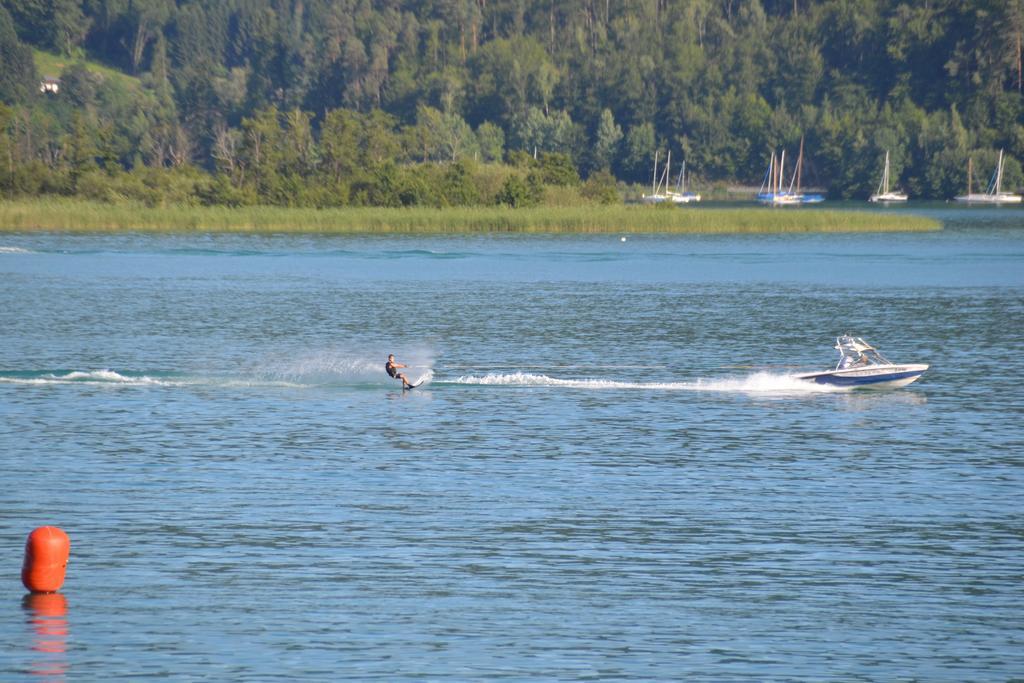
column 79, row 216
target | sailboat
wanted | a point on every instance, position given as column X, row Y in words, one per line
column 657, row 196
column 994, row 194
column 804, row 199
column 883, row 193
column 679, row 195
column 772, row 191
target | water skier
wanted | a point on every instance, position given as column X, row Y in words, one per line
column 392, row 369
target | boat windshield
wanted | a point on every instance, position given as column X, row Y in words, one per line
column 855, row 352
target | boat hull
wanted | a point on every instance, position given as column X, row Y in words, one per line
column 778, row 199
column 873, row 377
column 787, row 199
column 1002, row 198
column 674, row 198
column 888, row 197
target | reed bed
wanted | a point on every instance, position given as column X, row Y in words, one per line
column 71, row 215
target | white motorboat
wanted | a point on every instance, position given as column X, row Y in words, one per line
column 861, row 365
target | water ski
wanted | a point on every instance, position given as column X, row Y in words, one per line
column 413, row 386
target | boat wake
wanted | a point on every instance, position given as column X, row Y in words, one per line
column 298, row 371
column 107, row 377
column 330, row 371
column 758, row 382
column 340, row 368
column 111, row 378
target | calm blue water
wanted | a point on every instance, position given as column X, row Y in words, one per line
column 610, row 474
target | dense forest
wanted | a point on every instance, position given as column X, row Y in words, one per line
column 456, row 102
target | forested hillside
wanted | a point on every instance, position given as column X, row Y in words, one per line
column 450, row 102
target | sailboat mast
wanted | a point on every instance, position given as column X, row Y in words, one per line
column 970, row 164
column 782, row 171
column 668, row 168
column 799, row 164
column 885, row 174
column 654, row 179
column 999, row 173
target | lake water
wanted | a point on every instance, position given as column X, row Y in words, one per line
column 610, row 475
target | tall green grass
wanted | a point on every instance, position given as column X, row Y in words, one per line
column 72, row 215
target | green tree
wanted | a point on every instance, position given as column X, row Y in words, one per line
column 507, row 77
column 457, row 188
column 80, row 85
column 299, row 153
column 262, row 152
column 18, row 78
column 518, row 193
column 81, row 149
column 557, row 169
column 58, row 25
column 379, row 142
column 69, row 25
column 6, row 150
column 491, row 142
column 444, row 137
column 340, row 137
column 147, row 17
column 601, row 187
column 638, row 152
column 606, row 143
column 539, row 132
column 944, row 147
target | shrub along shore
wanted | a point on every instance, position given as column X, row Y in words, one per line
column 71, row 215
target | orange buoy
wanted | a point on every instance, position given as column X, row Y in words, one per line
column 46, row 559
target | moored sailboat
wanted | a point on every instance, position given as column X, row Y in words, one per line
column 679, row 195
column 656, row 196
column 772, row 192
column 883, row 193
column 994, row 194
column 660, row 192
column 803, row 197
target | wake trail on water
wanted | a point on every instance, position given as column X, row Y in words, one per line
column 758, row 382
column 112, row 378
column 336, row 367
column 297, row 372
column 105, row 377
